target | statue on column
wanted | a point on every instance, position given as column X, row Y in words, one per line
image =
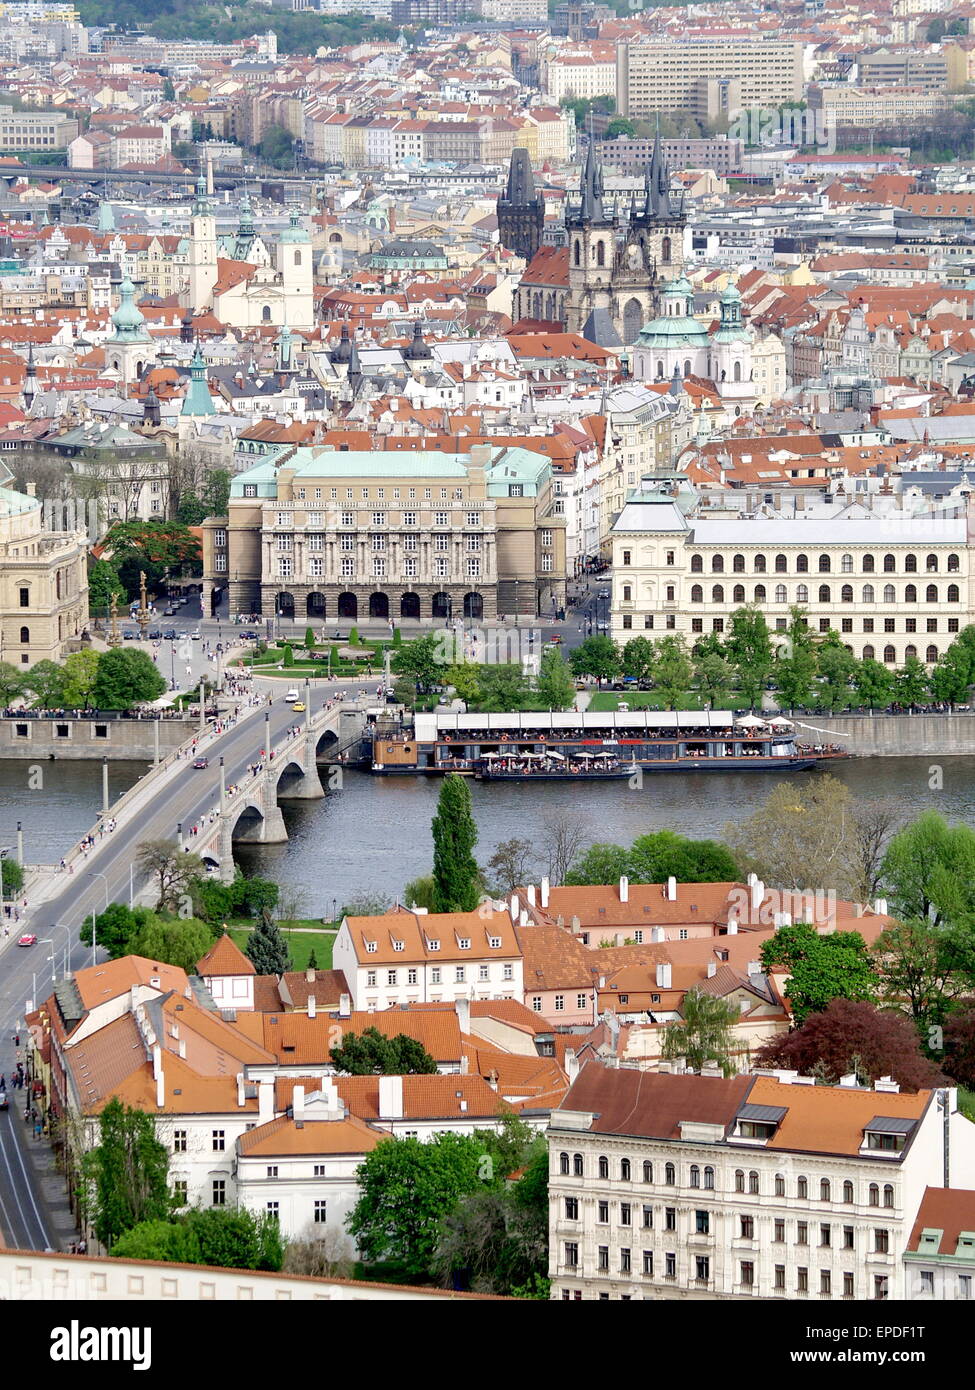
column 114, row 638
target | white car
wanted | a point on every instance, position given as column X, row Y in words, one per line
column 292, row 694
column 195, row 636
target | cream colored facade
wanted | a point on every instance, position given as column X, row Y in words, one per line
column 43, row 584
column 666, row 75
column 769, row 370
column 892, row 587
column 571, row 76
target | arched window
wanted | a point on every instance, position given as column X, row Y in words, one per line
column 847, row 1191
column 577, row 1168
column 738, row 564
column 647, row 1170
column 695, row 1175
column 868, row 593
column 780, row 593
column 736, row 373
column 910, row 593
column 890, row 564
column 889, row 593
column 266, row 313
column 781, row 565
column 802, row 593
column 868, row 654
column 888, row 1194
column 952, row 564
column 564, row 1165
column 931, row 564
column 910, row 652
column 670, row 1175
column 825, row 564
column 717, row 594
column 297, row 259
column 738, row 594
column 697, row 564
column 603, row 1166
column 624, row 1170
column 739, row 1180
column 760, row 565
column 890, row 656
column 846, row 564
column 709, row 1178
column 687, row 366
column 868, row 564
column 874, row 1198
column 627, row 592
column 759, row 593
column 910, row 564
column 824, row 593
column 802, row 564
column 665, row 249
column 931, row 655
column 25, row 634
column 846, row 593
column 952, row 593
column 600, row 253
column 802, row 1188
column 697, row 594
column 717, row 564
column 57, row 583
column 825, row 1193
column 931, row 594
column 577, row 252
column 753, row 1183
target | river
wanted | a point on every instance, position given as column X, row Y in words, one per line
column 374, row 835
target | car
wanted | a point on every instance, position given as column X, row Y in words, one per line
column 292, row 694
column 298, row 706
column 555, row 640
column 248, row 637
column 3, row 1100
column 155, row 635
column 170, row 635
column 129, row 636
column 195, row 635
column 549, row 647
column 202, row 762
column 168, row 612
column 28, row 939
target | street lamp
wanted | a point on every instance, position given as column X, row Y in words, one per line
column 93, row 946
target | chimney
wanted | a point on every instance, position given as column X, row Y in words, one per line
column 298, row 1105
column 463, row 1007
column 671, row 891
column 310, row 976
column 345, row 1006
column 624, row 889
column 240, row 1088
column 523, row 919
column 544, row 891
column 515, row 907
column 311, row 1006
column 712, row 969
column 182, row 1047
column 530, row 892
column 663, row 975
column 571, row 1064
column 732, row 926
column 754, row 967
column 390, row 1097
column 886, row 1083
column 849, row 1081
column 576, row 923
column 265, row 1101
column 758, row 893
column 880, row 905
column 159, row 1075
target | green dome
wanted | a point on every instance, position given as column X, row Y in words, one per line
column 294, row 232
column 673, row 330
column 128, row 320
column 681, row 286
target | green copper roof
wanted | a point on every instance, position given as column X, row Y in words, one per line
column 294, row 232
column 128, row 320
column 508, row 466
column 675, row 330
column 198, row 400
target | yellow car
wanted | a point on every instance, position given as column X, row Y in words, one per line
column 298, row 706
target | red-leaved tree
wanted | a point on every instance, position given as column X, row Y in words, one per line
column 959, row 1042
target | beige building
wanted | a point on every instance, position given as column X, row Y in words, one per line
column 865, row 106
column 323, row 534
column 43, row 584
column 35, row 130
column 893, row 586
column 706, row 76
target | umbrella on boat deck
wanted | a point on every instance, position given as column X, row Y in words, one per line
column 485, row 756
column 560, row 757
column 749, row 721
column 779, row 723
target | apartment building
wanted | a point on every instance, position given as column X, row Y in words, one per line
column 939, row 1261
column 569, row 75
column 762, row 1186
column 867, row 106
column 35, row 130
column 706, row 77
column 403, row 958
column 632, row 155
column 929, row 69
column 43, row 584
column 892, row 585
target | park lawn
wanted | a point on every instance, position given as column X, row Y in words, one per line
column 300, row 943
column 604, row 701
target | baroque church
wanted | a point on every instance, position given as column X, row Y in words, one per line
column 605, row 284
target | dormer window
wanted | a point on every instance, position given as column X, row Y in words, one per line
column 399, row 945
column 370, row 948
column 494, row 942
column 886, row 1134
column 433, row 945
column 759, row 1122
column 464, row 942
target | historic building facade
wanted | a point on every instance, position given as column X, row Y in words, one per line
column 521, row 211
column 43, row 584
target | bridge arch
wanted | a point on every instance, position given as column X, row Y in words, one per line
column 289, row 779
column 248, row 825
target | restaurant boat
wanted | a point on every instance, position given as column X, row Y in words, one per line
column 591, row 746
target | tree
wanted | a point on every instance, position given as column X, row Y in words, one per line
column 465, row 679
column 45, row 681
column 11, row 683
column 455, row 874
column 929, row 869
column 115, row 928
column 563, row 838
column 405, row 1187
column 873, row 683
column 168, row 90
column 255, row 895
column 419, row 892
column 78, row 677
column 126, row 1173
column 174, row 869
column 836, row 668
column 152, row 546
column 328, row 1255
column 511, row 865
column 638, row 657
column 852, row 1036
column 874, row 823
column 750, row 651
column 227, row 1237
column 916, row 965
column 103, row 582
column 959, row 1047
column 654, row 858
column 714, row 676
column 601, row 863
column 672, row 671
column 371, row 1053
column 309, row 639
column 173, row 940
column 795, row 664
column 819, row 968
column 125, row 678
column 598, row 657
column 951, row 678
column 503, row 688
column 801, row 836
column 619, row 125
column 555, row 686
column 704, row 1033
column 11, row 876
column 267, row 949
column 422, row 660
column 911, row 682
column 276, row 147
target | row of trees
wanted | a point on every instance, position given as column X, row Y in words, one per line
column 114, row 680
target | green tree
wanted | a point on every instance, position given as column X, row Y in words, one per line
column 115, row 928
column 929, row 870
column 152, row 546
column 837, row 666
column 555, row 686
column 103, row 582
column 226, row 1237
column 423, row 660
column 11, row 683
column 638, row 657
column 917, row 965
column 45, row 682
column 168, row 90
column 167, row 1241
column 911, row 682
column 819, row 968
column 126, row 678
column 597, row 656
column 309, row 639
column 267, row 949
column 455, row 874
column 254, row 895
column 795, row 665
column 750, row 651
column 465, row 678
column 277, row 147
column 503, row 688
column 704, row 1033
column 173, row 940
column 126, row 1173
column 600, row 864
column 672, row 671
column 371, row 1053
column 873, row 683
column 79, row 676
column 11, row 876
column 405, row 1187
column 715, row 677
column 419, row 892
column 619, row 125
column 174, row 870
column 654, row 858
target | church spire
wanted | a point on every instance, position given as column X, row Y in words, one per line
column 591, row 186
